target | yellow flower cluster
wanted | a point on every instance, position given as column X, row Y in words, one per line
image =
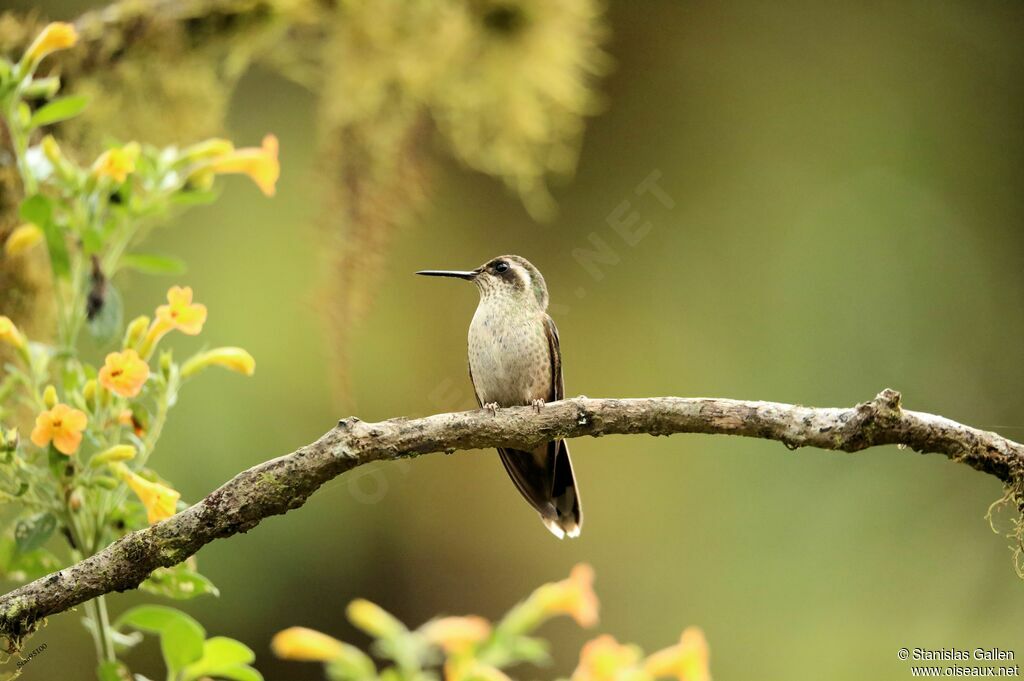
column 124, row 373
column 474, row 651
column 605, row 659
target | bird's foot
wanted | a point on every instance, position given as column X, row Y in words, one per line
column 492, row 407
column 538, row 405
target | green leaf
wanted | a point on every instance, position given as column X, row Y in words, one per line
column 58, row 110
column 113, row 670
column 153, row 264
column 181, row 644
column 181, row 637
column 37, row 209
column 32, row 532
column 178, row 582
column 219, row 653
column 106, row 324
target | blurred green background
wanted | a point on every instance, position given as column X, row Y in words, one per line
column 846, row 181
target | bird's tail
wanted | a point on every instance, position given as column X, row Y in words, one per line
column 545, row 478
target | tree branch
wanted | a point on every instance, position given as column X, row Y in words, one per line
column 284, row 483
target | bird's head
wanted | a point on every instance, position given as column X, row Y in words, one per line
column 505, row 276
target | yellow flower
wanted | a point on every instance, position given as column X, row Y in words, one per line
column 117, row 164
column 235, row 359
column 181, row 313
column 573, row 596
column 9, row 333
column 259, row 163
column 306, row 645
column 61, row 425
column 603, row 658
column 56, row 36
column 115, row 453
column 161, row 501
column 455, row 634
column 22, row 238
column 686, row 661
column 124, row 373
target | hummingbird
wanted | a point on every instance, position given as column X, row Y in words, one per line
column 515, row 360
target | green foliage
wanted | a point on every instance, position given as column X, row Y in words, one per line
column 82, row 472
column 187, row 653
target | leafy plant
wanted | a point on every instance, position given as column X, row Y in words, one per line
column 82, row 474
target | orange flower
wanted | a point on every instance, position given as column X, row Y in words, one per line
column 181, row 313
column 259, row 163
column 686, row 661
column 61, row 425
column 573, row 596
column 56, row 36
column 124, row 373
column 306, row 645
column 603, row 659
column 117, row 164
column 454, row 634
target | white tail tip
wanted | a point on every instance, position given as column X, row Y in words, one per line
column 560, row 531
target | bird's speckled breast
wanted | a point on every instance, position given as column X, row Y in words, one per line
column 508, row 353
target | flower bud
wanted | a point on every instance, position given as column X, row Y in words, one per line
column 75, row 500
column 42, row 88
column 89, row 392
column 135, row 332
column 22, row 239
column 166, row 363
column 10, row 334
column 9, row 440
column 374, row 620
column 234, row 359
column 50, row 396
column 51, row 150
column 305, row 645
column 112, row 455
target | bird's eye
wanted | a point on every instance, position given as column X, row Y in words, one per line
column 501, row 267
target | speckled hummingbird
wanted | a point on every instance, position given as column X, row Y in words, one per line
column 515, row 360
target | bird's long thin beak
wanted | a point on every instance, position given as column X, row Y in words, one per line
column 450, row 273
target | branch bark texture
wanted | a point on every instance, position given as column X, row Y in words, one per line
column 284, row 483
